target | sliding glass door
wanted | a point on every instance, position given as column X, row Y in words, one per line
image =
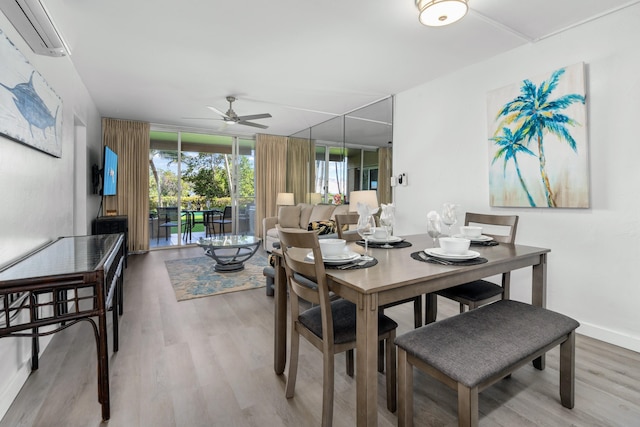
column 200, row 186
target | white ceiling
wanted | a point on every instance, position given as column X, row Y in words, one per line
column 303, row 61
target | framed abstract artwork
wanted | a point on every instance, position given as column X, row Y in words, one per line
column 30, row 111
column 538, row 152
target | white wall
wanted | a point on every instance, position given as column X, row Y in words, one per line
column 37, row 191
column 440, row 141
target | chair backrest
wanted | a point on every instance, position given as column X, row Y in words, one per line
column 347, row 219
column 502, row 228
column 168, row 214
column 306, row 277
column 227, row 213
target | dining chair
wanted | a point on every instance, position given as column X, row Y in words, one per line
column 502, row 229
column 329, row 325
column 345, row 221
column 224, row 221
column 350, row 235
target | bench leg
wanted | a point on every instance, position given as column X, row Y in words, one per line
column 568, row 370
column 405, row 390
column 467, row 406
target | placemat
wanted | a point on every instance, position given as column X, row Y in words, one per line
column 396, row 245
column 440, row 261
column 488, row 243
column 352, row 265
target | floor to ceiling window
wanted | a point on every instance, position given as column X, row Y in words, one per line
column 200, row 185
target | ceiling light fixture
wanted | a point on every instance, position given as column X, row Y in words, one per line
column 438, row 13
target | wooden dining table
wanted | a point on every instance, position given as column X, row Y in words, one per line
column 396, row 277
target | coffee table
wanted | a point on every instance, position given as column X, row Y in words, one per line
column 230, row 252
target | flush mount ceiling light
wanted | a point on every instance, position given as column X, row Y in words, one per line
column 437, row 13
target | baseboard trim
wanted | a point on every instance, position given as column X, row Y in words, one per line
column 612, row 337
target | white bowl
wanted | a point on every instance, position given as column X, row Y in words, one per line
column 454, row 245
column 380, row 233
column 471, row 231
column 332, row 247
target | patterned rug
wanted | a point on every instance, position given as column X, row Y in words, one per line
column 196, row 277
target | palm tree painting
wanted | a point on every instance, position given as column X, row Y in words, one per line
column 538, row 154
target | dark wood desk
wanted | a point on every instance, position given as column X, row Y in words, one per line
column 397, row 277
column 62, row 283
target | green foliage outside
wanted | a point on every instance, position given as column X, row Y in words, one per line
column 205, row 177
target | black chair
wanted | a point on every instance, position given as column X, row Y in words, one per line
column 481, row 292
column 209, row 217
column 224, row 221
column 167, row 219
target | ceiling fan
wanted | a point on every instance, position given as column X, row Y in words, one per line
column 230, row 117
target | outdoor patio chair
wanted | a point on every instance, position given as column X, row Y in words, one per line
column 224, row 221
column 167, row 219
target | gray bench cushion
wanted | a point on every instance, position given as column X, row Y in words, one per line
column 473, row 346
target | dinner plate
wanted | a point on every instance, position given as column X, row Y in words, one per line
column 482, row 238
column 440, row 253
column 338, row 259
column 392, row 239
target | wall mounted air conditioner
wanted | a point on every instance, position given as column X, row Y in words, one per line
column 32, row 21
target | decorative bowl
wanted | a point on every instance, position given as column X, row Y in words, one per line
column 332, row 247
column 454, row 245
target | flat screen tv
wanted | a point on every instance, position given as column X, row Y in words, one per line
column 109, row 173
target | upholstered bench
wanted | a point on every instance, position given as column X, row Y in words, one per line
column 270, row 274
column 470, row 351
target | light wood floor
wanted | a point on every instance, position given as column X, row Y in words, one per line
column 209, row 362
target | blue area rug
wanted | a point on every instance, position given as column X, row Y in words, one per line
column 196, row 277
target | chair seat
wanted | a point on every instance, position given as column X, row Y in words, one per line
column 478, row 290
column 344, row 321
column 474, row 346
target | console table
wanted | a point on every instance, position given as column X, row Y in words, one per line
column 113, row 225
column 60, row 284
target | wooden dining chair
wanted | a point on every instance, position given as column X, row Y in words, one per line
column 502, row 228
column 350, row 235
column 344, row 229
column 329, row 325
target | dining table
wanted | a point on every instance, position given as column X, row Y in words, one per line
column 396, row 277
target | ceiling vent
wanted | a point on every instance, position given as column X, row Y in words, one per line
column 32, row 21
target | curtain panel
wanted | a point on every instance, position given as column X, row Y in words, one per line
column 385, row 170
column 301, row 168
column 271, row 175
column 130, row 140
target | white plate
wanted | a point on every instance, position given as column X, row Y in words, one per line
column 392, row 239
column 482, row 238
column 338, row 259
column 440, row 253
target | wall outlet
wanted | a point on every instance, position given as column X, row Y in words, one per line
column 402, row 179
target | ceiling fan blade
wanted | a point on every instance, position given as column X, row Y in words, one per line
column 214, row 109
column 202, row 118
column 254, row 117
column 255, row 125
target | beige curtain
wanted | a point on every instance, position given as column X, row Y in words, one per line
column 385, row 170
column 130, row 140
column 301, row 172
column 271, row 166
